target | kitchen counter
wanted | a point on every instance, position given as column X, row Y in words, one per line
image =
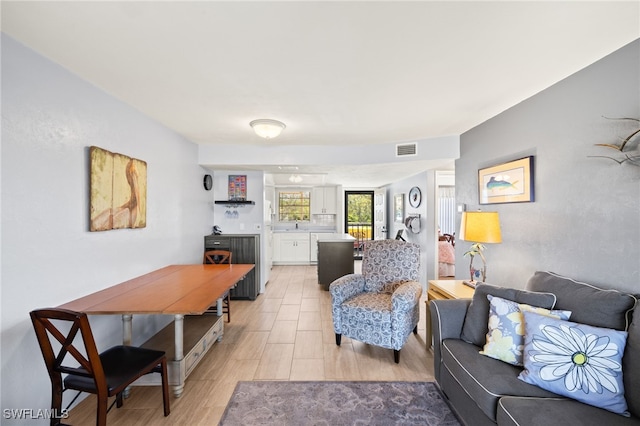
column 308, row 231
column 333, row 237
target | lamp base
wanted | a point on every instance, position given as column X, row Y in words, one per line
column 472, row 283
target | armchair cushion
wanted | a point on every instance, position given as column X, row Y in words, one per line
column 389, row 262
column 367, row 317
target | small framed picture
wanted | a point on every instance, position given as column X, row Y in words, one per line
column 398, row 208
column 510, row 182
column 237, row 187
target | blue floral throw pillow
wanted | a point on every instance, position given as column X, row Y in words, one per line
column 505, row 335
column 575, row 360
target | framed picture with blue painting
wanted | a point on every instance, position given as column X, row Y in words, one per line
column 510, row 182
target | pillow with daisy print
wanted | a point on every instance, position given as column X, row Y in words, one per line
column 578, row 361
column 505, row 335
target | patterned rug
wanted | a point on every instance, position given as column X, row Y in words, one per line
column 337, row 403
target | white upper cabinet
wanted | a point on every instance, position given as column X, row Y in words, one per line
column 323, row 200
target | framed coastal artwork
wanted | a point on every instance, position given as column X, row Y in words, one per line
column 510, row 182
column 398, row 208
column 118, row 188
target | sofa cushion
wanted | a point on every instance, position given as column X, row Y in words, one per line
column 589, row 304
column 520, row 411
column 475, row 325
column 505, row 337
column 484, row 379
column 578, row 361
column 631, row 367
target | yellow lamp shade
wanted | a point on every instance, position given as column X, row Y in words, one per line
column 480, row 227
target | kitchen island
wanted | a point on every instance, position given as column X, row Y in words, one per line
column 335, row 257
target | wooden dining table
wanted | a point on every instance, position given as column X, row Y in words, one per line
column 176, row 290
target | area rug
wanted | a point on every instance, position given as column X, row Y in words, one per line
column 337, row 403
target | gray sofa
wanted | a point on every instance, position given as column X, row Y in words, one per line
column 486, row 391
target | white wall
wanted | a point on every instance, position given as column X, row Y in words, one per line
column 49, row 119
column 250, row 219
column 439, row 148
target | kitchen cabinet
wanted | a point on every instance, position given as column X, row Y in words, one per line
column 324, row 200
column 335, row 257
column 291, row 248
column 244, row 248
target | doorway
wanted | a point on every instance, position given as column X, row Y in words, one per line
column 358, row 217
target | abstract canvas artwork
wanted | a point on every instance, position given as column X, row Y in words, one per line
column 118, row 191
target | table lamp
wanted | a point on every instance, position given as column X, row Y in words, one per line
column 479, row 227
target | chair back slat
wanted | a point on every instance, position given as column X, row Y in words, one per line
column 57, row 363
column 217, row 256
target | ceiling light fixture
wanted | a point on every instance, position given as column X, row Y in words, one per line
column 295, row 178
column 267, row 128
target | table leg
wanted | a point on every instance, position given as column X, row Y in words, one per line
column 127, row 334
column 127, row 329
column 179, row 350
column 219, row 307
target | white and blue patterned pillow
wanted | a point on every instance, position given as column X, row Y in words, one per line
column 505, row 337
column 578, row 361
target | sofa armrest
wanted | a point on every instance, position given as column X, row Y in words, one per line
column 447, row 318
column 406, row 296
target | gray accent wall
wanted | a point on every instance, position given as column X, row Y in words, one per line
column 585, row 221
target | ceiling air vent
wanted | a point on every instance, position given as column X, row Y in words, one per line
column 407, row 149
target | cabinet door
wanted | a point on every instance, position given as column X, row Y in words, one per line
column 244, row 251
column 330, row 200
column 317, row 200
column 288, row 250
column 323, row 200
column 302, row 251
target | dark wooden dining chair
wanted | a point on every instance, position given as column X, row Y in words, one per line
column 450, row 239
column 220, row 256
column 105, row 374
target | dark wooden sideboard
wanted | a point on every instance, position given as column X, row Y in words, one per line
column 245, row 248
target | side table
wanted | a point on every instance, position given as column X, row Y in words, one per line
column 444, row 289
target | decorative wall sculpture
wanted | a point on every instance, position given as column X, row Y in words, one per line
column 628, row 149
column 118, row 191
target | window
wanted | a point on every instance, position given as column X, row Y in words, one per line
column 294, row 206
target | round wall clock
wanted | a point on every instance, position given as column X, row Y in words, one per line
column 415, row 197
column 208, row 182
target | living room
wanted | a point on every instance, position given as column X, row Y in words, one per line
column 583, row 222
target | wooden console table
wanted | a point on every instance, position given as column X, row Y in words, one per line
column 444, row 289
column 178, row 290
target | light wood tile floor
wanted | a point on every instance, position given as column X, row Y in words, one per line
column 285, row 334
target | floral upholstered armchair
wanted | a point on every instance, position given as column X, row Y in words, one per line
column 380, row 306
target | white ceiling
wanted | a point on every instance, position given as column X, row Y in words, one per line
column 337, row 73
